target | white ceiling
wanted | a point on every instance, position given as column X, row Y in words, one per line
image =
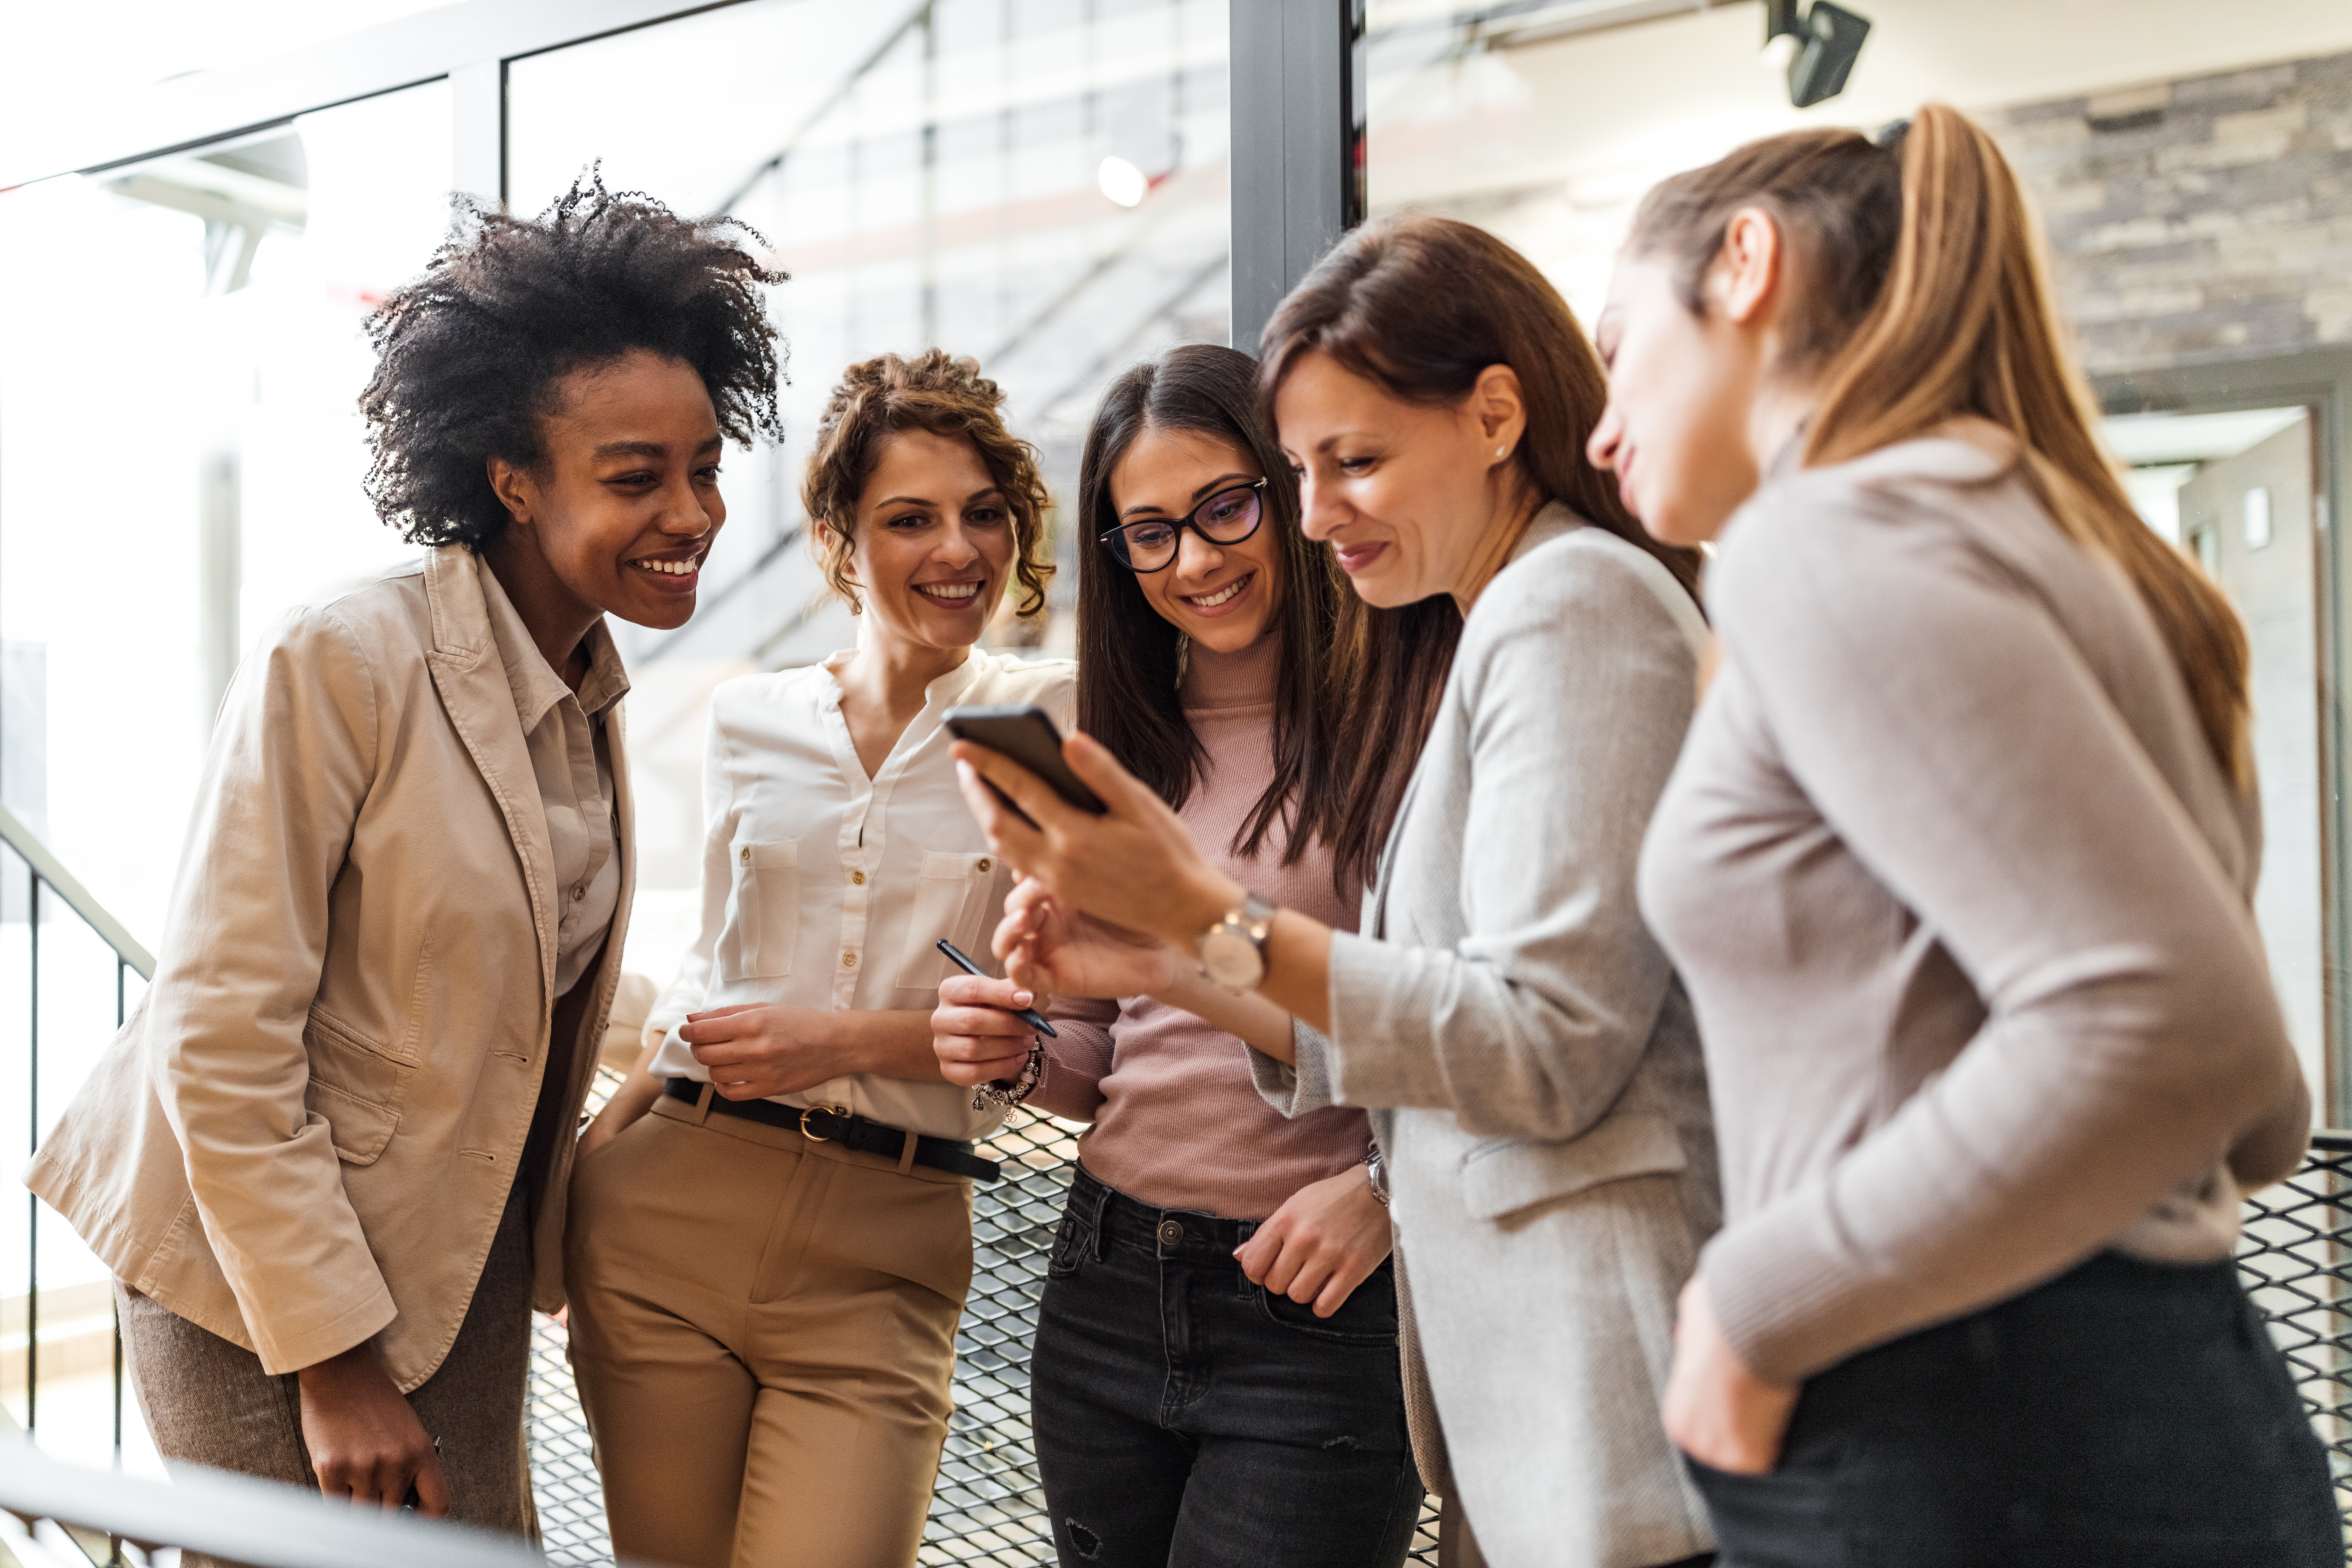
column 2144, row 440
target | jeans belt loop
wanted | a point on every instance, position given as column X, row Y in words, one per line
column 1102, row 1202
column 907, row 1155
column 702, row 1103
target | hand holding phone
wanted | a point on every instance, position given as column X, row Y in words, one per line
column 1027, row 736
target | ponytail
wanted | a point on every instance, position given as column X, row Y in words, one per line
column 1925, row 244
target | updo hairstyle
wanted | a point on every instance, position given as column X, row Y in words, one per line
column 947, row 396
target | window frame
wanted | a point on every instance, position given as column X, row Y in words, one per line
column 1293, row 132
column 2319, row 379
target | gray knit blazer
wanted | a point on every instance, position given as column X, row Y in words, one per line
column 1532, row 1063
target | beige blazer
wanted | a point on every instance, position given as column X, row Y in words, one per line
column 305, row 1134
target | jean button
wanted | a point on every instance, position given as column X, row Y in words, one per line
column 1171, row 1233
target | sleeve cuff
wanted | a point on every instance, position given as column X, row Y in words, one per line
column 285, row 1348
column 1788, row 1298
column 1295, row 1088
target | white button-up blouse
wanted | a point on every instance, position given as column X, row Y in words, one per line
column 824, row 888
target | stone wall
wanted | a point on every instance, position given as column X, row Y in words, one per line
column 2199, row 219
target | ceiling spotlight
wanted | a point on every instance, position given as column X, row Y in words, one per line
column 1829, row 37
column 1121, row 181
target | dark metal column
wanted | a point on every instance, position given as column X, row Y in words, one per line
column 1294, row 147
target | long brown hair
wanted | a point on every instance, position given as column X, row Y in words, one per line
column 947, row 396
column 1421, row 307
column 1127, row 696
column 1925, row 298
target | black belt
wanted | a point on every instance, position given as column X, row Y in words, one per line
column 829, row 1124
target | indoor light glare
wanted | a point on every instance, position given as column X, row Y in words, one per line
column 1121, row 181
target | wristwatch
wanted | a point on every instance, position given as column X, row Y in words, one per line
column 1376, row 1172
column 1233, row 951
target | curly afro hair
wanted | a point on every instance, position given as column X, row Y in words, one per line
column 944, row 394
column 470, row 355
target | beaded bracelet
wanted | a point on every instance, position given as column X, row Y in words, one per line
column 1005, row 1095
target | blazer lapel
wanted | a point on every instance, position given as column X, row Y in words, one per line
column 480, row 703
column 1548, row 524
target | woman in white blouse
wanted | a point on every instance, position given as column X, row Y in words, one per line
column 766, row 1271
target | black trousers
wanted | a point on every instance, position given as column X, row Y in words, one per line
column 2125, row 1415
column 1185, row 1418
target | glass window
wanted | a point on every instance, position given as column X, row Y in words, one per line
column 180, row 460
column 2194, row 183
column 1039, row 183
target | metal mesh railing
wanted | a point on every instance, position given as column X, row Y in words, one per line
column 2295, row 1260
column 989, row 1511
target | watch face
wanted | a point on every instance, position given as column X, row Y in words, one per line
column 1231, row 959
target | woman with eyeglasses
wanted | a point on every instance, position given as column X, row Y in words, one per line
column 1215, row 1375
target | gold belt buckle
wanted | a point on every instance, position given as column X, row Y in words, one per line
column 840, row 1110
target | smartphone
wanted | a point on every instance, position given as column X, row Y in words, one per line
column 1027, row 736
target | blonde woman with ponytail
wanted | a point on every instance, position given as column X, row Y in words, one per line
column 1955, row 867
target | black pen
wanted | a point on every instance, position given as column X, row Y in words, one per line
column 1029, row 1015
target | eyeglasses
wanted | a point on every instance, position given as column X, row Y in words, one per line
column 1228, row 517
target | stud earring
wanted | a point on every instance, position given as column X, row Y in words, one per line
column 1501, row 451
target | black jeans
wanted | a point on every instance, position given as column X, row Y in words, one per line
column 1187, row 1419
column 2125, row 1415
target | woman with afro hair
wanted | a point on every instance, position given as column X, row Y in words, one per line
column 771, row 1232
column 327, row 1158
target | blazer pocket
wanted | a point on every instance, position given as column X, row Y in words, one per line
column 764, row 912
column 951, row 902
column 356, row 1087
column 1503, row 1175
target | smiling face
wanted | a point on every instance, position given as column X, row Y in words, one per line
column 1406, row 493
column 1223, row 596
column 624, row 504
column 931, row 543
column 1681, row 390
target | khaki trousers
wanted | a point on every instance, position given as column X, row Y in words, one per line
column 763, row 1330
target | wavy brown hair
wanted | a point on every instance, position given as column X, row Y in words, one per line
column 1422, row 307
column 947, row 396
column 1127, row 696
column 1923, row 299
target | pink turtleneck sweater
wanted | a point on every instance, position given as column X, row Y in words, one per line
column 1176, row 1121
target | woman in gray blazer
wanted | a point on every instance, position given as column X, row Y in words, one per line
column 1530, row 1059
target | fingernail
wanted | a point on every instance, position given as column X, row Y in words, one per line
column 963, row 771
column 1023, row 999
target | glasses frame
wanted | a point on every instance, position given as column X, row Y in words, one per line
column 1191, row 520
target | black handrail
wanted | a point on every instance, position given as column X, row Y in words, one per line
column 45, row 871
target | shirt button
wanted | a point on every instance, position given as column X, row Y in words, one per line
column 857, row 879
column 849, row 960
column 1171, row 1233
column 986, row 864
column 746, row 856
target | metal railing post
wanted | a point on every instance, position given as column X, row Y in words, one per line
column 114, row 1305
column 33, row 1146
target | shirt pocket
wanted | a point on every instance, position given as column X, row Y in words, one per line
column 764, row 912
column 952, row 900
